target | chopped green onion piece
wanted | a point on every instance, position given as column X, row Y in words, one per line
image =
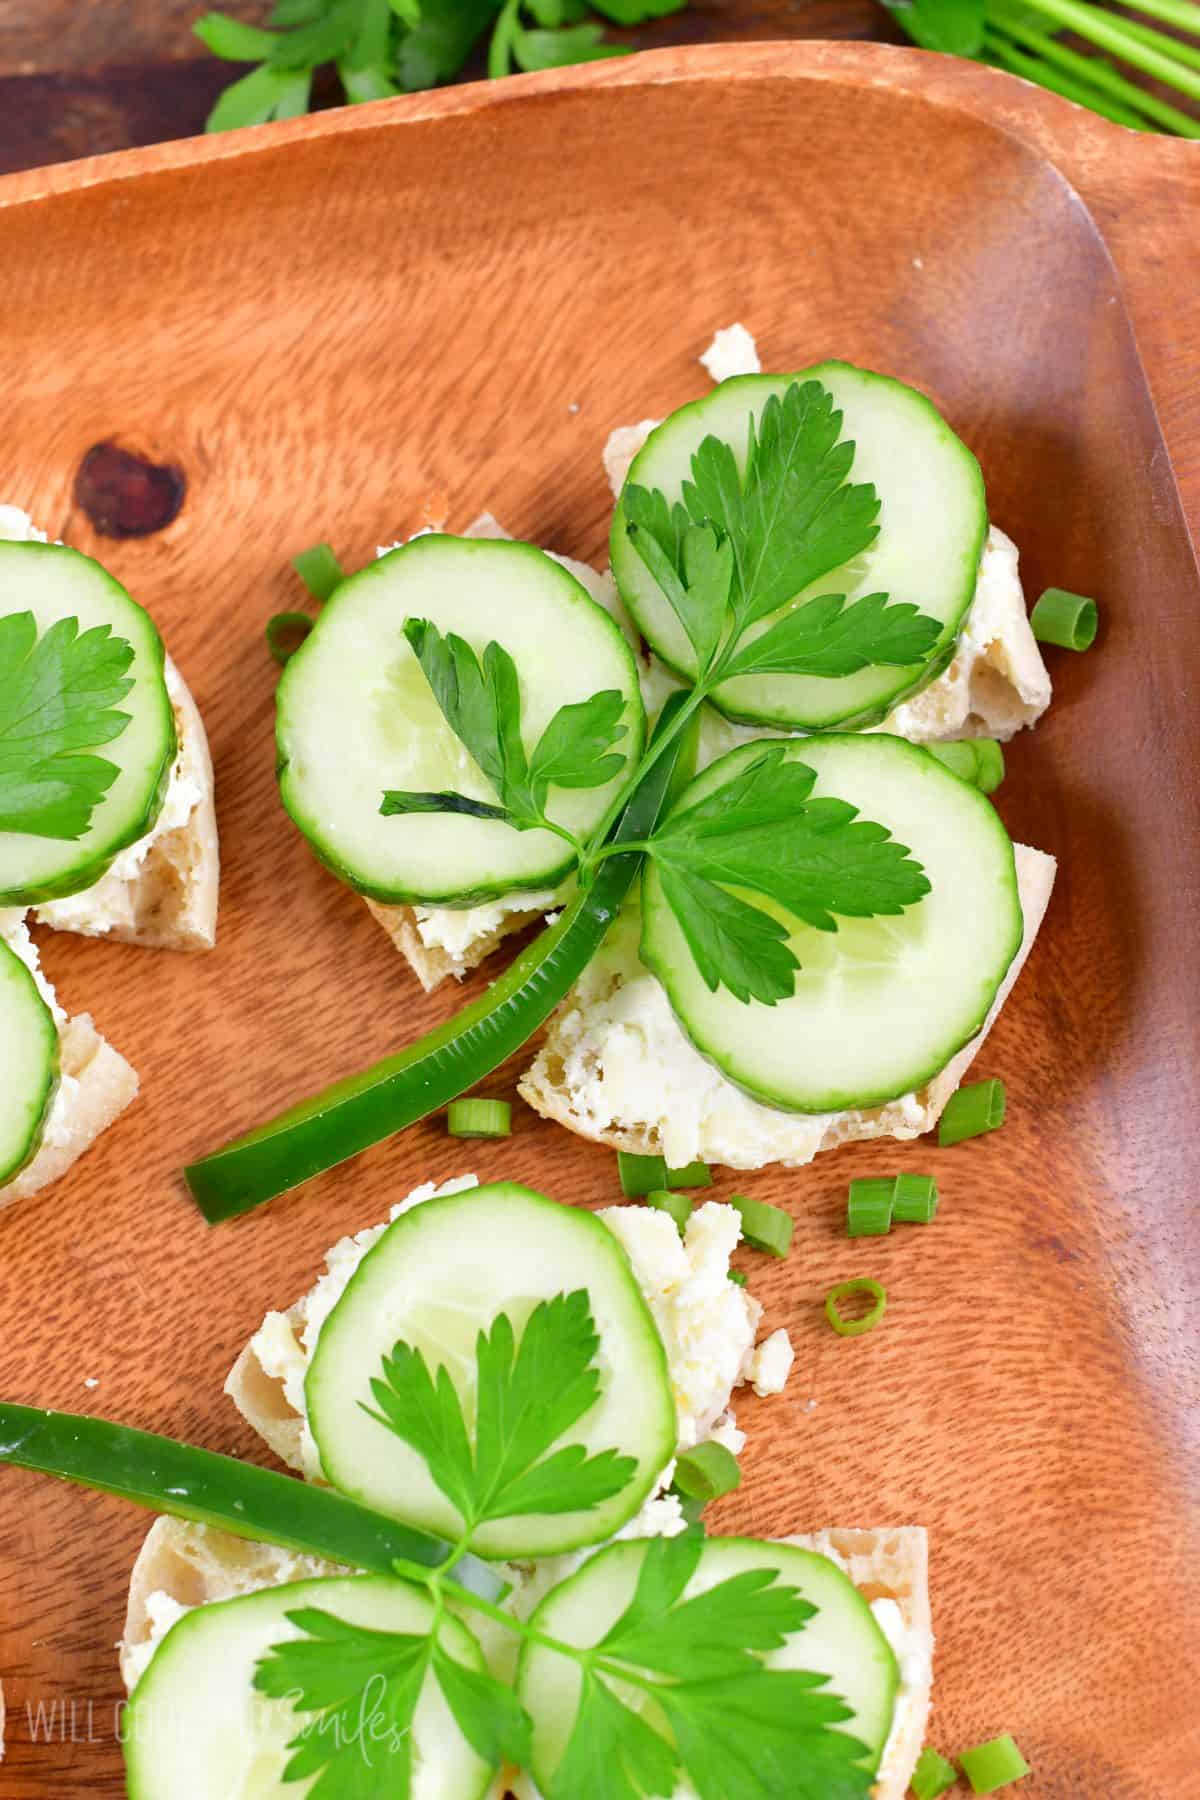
column 960, row 758
column 286, row 631
column 764, row 1227
column 915, row 1199
column 640, row 1174
column 679, row 1207
column 933, row 1775
column 974, row 1109
column 707, row 1472
column 979, row 761
column 737, row 1277
column 1068, row 620
column 697, row 1174
column 319, row 570
column 993, row 1765
column 989, row 765
column 479, row 1119
column 846, row 1290
column 869, row 1213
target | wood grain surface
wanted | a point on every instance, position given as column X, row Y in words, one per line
column 330, row 323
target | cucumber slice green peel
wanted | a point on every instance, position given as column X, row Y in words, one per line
column 234, row 1496
column 29, row 1064
column 347, row 1118
column 93, row 779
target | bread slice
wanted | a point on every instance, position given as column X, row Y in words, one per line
column 104, row 1085
column 182, row 1565
column 166, row 897
column 591, row 1026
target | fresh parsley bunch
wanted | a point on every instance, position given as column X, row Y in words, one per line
column 748, row 535
column 718, row 1716
column 382, row 47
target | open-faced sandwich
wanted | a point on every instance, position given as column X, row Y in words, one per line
column 106, row 828
column 745, row 774
column 497, row 1579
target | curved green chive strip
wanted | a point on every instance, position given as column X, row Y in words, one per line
column 319, row 570
column 237, row 1497
column 1068, row 620
column 914, row 1200
column 677, row 1205
column 286, row 631
column 697, row 1174
column 479, row 1119
column 707, row 1472
column 974, row 1109
column 869, row 1211
column 847, row 1290
column 933, row 1775
column 993, row 1765
column 764, row 1227
column 738, row 1278
column 362, row 1110
column 640, row 1175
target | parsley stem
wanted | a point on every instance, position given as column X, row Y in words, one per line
column 510, row 1622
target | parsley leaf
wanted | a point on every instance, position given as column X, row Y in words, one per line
column 572, row 751
column 58, row 694
column 734, row 944
column 827, row 637
column 792, row 515
column 527, row 1396
column 763, row 833
column 738, row 1730
column 693, row 569
column 746, row 540
column 488, row 1713
column 481, row 703
column 364, row 1685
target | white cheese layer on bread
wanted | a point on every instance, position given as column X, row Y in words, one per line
column 161, row 891
column 616, row 1066
column 707, row 1322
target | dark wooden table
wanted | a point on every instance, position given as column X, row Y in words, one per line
column 78, row 77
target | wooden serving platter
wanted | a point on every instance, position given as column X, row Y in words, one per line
column 329, row 326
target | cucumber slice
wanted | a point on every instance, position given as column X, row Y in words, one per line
column 28, row 1063
column 356, row 716
column 197, row 1729
column 842, row 1641
column 880, row 1005
column 54, row 583
column 933, row 524
column 436, row 1279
